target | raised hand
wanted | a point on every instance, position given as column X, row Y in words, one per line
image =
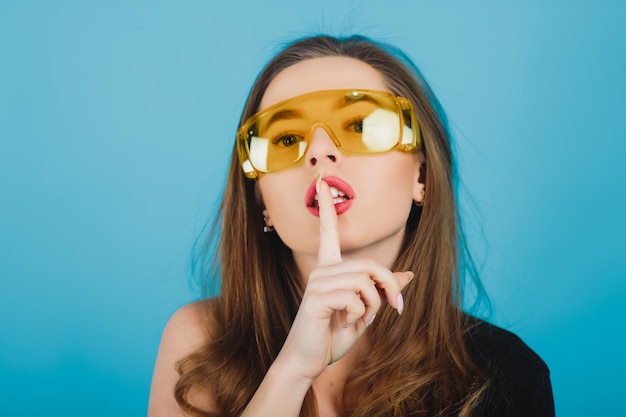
column 340, row 300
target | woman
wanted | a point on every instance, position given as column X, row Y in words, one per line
column 340, row 261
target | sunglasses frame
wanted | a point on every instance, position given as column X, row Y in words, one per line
column 403, row 106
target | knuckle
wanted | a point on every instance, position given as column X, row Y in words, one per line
column 364, row 279
column 352, row 299
column 376, row 300
column 357, row 308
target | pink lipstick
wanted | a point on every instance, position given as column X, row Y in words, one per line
column 343, row 194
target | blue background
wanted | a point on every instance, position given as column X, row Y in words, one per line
column 116, row 118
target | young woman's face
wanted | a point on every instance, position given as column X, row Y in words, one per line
column 381, row 187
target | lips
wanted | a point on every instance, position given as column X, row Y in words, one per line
column 341, row 191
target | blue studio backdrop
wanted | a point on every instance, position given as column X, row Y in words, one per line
column 117, row 117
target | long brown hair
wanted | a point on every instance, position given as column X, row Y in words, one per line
column 418, row 361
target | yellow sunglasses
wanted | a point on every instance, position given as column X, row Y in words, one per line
column 357, row 121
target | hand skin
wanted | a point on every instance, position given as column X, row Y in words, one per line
column 340, row 300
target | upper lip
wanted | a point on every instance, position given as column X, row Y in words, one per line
column 336, row 182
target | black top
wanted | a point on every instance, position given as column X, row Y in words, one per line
column 520, row 379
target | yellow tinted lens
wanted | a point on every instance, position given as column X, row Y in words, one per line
column 270, row 154
column 383, row 121
column 357, row 121
column 277, row 139
column 367, row 124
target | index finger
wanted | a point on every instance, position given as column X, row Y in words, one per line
column 329, row 252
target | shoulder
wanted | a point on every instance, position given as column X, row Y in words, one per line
column 190, row 326
column 494, row 345
column 519, row 378
column 187, row 330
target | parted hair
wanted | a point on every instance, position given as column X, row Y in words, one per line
column 418, row 363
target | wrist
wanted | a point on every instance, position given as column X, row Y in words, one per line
column 280, row 394
column 284, row 372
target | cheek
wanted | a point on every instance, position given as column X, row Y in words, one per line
column 268, row 194
column 292, row 222
column 394, row 180
column 386, row 193
column 280, row 197
column 398, row 191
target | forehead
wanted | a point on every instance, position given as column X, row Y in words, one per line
column 327, row 73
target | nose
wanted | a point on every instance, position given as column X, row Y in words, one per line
column 322, row 149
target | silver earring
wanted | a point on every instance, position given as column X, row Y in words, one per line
column 266, row 228
column 421, row 203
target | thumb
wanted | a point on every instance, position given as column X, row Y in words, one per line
column 404, row 278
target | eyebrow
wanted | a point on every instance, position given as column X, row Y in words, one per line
column 343, row 102
column 283, row 115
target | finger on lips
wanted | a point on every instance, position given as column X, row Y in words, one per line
column 329, row 255
column 329, row 252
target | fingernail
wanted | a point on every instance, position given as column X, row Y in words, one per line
column 318, row 180
column 410, row 275
column 370, row 320
column 400, row 304
column 345, row 326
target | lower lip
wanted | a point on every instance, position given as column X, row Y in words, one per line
column 339, row 208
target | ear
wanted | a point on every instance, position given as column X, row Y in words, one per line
column 268, row 220
column 419, row 179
